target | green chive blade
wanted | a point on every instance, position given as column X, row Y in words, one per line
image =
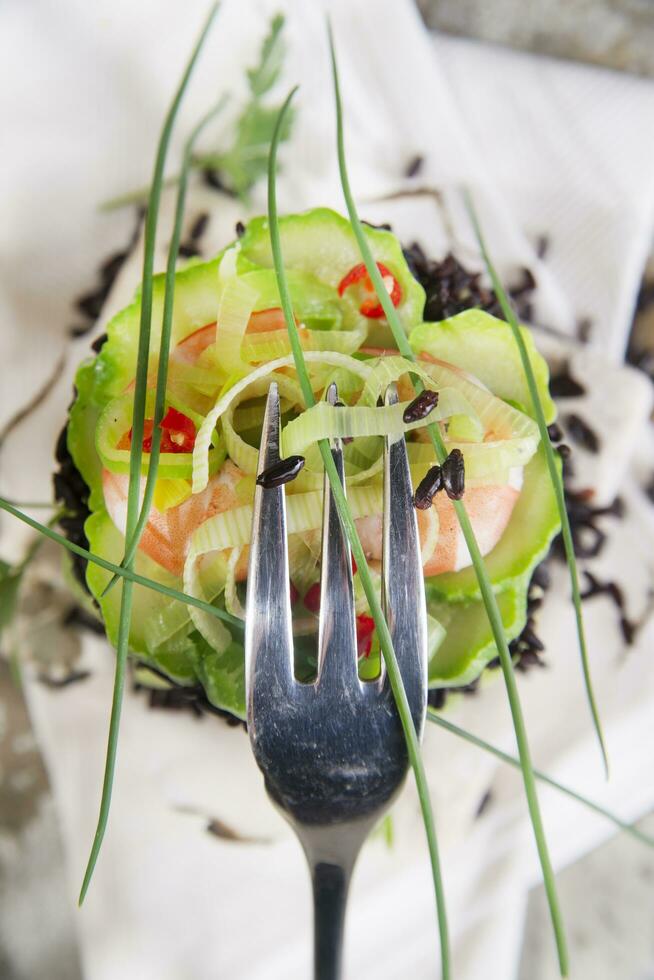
column 394, row 675
column 125, row 573
column 164, row 347
column 136, row 451
column 623, row 825
column 487, row 593
column 555, row 477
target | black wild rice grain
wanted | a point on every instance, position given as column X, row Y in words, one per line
column 584, row 329
column 563, row 451
column 384, row 226
column 414, row 166
column 450, row 288
column 595, row 587
column 71, row 491
column 526, row 283
column 90, row 304
column 563, row 385
column 283, row 471
column 430, row 484
column 454, row 475
column 240, row 229
column 188, row 250
column 199, row 227
column 99, row 342
column 554, row 432
column 483, row 804
column 81, row 618
column 587, row 537
column 420, row 407
column 542, row 246
column 213, row 179
column 178, row 697
column 58, row 683
column 581, row 432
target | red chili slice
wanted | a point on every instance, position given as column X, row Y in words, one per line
column 177, row 436
column 178, row 432
column 312, row 598
column 365, row 630
column 371, row 307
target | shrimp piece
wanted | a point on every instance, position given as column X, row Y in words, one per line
column 166, row 538
column 190, row 348
column 489, row 509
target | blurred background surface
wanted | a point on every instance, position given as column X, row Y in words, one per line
column 609, row 893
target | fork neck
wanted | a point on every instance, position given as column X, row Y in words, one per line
column 331, row 854
column 330, row 888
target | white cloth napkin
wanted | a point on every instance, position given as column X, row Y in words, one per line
column 169, row 901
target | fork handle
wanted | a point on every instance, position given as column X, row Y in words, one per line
column 330, row 888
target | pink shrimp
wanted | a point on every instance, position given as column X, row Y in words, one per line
column 489, row 509
column 167, row 535
column 189, row 349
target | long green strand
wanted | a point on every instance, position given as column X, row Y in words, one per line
column 486, row 590
column 627, row 828
column 386, row 643
column 164, row 348
column 126, row 573
column 233, row 621
column 136, row 453
column 555, row 476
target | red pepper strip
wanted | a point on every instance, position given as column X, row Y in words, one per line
column 365, row 629
column 178, row 434
column 371, row 308
column 312, row 598
column 295, row 595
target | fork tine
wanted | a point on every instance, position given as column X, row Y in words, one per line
column 337, row 643
column 403, row 589
column 268, row 624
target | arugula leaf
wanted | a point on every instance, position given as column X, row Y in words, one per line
column 246, row 161
column 10, row 579
column 262, row 78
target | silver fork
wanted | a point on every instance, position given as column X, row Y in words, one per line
column 332, row 752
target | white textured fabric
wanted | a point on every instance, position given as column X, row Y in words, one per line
column 532, row 140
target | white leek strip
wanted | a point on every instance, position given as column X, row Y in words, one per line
column 486, row 463
column 435, row 636
column 244, row 455
column 236, row 305
column 203, row 379
column 160, row 626
column 385, row 370
column 303, row 563
column 499, row 418
column 232, row 601
column 324, row 421
column 232, row 528
column 428, row 526
column 211, row 628
column 259, row 347
column 203, row 438
column 361, row 603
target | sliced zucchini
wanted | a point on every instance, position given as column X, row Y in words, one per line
column 525, row 542
column 468, row 645
column 484, row 346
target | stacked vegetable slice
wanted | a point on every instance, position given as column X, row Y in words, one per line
column 227, row 341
